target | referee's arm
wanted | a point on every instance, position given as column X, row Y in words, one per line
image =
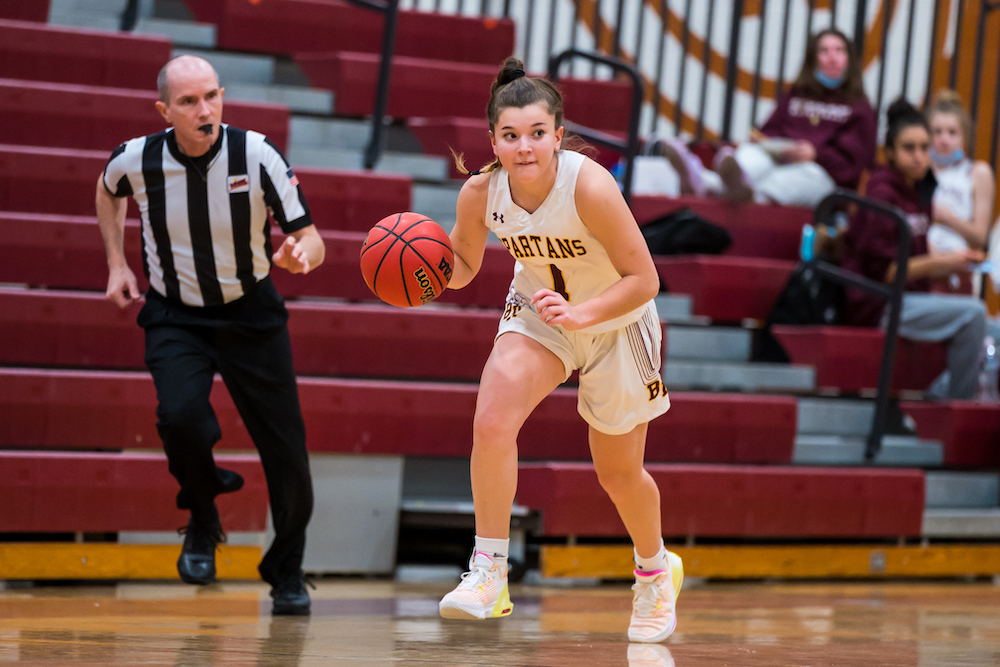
column 123, row 289
column 302, row 251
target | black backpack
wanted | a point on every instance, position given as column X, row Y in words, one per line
column 684, row 232
column 807, row 298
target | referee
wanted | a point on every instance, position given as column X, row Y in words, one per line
column 204, row 191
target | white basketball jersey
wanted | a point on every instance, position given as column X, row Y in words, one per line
column 553, row 248
column 954, row 190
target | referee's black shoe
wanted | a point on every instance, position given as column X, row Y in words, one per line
column 197, row 562
column 290, row 595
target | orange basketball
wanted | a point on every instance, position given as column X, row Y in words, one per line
column 406, row 260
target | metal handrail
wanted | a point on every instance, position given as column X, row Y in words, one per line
column 628, row 148
column 892, row 294
column 391, row 10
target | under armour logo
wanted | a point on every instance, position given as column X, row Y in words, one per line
column 497, row 216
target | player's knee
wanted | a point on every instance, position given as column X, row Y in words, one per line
column 618, row 479
column 491, row 430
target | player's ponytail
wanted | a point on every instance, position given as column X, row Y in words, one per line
column 512, row 88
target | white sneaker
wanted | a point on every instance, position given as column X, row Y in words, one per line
column 654, row 613
column 482, row 594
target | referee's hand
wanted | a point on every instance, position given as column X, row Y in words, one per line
column 123, row 289
column 292, row 257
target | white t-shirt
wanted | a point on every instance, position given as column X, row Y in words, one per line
column 954, row 190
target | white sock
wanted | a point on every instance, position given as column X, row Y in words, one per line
column 657, row 562
column 495, row 549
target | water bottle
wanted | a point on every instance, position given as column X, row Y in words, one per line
column 807, row 249
column 988, row 392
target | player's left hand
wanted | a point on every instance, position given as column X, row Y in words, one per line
column 292, row 257
column 553, row 308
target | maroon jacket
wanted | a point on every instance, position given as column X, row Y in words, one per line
column 871, row 242
column 842, row 132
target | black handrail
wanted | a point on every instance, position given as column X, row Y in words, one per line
column 892, row 294
column 391, row 10
column 628, row 148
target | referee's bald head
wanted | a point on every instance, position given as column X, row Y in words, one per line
column 177, row 65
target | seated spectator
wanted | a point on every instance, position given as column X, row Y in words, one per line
column 870, row 247
column 963, row 200
column 821, row 135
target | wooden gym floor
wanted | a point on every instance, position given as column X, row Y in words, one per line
column 368, row 622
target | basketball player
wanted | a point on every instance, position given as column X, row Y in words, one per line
column 581, row 298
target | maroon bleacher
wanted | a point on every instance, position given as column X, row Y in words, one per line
column 63, row 181
column 421, row 87
column 76, row 409
column 25, row 10
column 61, row 115
column 848, row 358
column 75, row 259
column 757, row 230
column 968, row 430
column 296, row 26
column 724, row 288
column 49, row 328
column 55, row 492
column 735, row 501
column 36, row 52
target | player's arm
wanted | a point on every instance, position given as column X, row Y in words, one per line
column 468, row 238
column 603, row 209
column 122, row 286
column 302, row 251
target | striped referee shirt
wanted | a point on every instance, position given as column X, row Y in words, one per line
column 205, row 231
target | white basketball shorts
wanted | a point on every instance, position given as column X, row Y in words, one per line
column 620, row 384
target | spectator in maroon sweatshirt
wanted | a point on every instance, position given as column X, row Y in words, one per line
column 871, row 244
column 821, row 135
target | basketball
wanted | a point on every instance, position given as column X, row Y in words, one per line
column 406, row 260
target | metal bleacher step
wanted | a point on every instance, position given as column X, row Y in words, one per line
column 181, row 33
column 731, row 376
column 850, row 450
column 707, row 343
column 974, row 522
column 951, row 490
column 406, row 164
column 835, row 416
column 675, row 308
column 297, row 98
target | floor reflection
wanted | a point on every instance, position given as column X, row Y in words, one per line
column 377, row 622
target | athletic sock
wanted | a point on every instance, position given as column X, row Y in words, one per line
column 653, row 564
column 497, row 550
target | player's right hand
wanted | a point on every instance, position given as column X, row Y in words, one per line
column 123, row 290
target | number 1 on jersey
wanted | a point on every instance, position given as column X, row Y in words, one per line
column 558, row 282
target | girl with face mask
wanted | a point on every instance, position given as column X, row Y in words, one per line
column 963, row 199
column 907, row 182
column 821, row 135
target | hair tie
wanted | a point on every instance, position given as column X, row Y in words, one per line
column 475, row 173
column 515, row 74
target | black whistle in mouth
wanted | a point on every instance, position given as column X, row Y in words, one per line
column 206, row 128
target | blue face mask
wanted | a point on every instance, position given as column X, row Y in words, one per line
column 828, row 81
column 947, row 160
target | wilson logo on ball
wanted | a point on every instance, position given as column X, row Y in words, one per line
column 407, row 260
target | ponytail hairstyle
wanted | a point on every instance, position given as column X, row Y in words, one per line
column 513, row 89
column 948, row 101
column 901, row 115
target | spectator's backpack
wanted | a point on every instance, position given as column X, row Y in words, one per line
column 807, row 299
column 684, row 232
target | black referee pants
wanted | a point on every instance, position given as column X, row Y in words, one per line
column 256, row 365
